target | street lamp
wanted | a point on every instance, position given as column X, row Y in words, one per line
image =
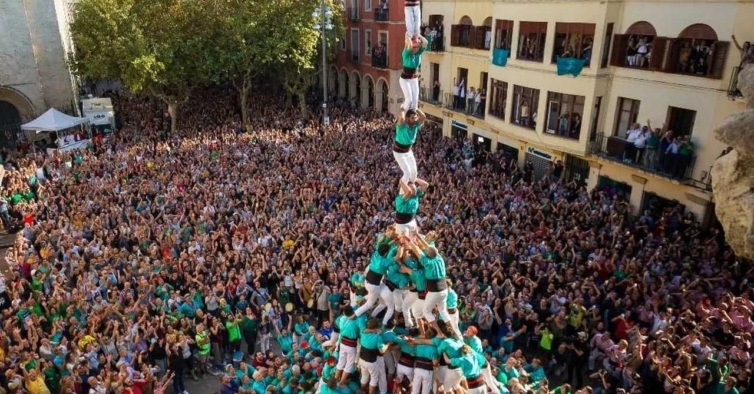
column 323, row 21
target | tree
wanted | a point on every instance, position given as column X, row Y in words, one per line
column 299, row 44
column 161, row 48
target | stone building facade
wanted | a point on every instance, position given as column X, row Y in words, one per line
column 34, row 73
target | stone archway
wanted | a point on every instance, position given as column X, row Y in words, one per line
column 15, row 108
column 382, row 96
column 367, row 92
column 355, row 88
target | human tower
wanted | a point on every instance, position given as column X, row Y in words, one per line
column 406, row 279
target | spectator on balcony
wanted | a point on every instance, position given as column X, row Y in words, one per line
column 629, row 151
column 457, row 87
column 575, row 126
column 479, row 103
column 671, row 155
column 631, row 52
column 435, row 91
column 665, row 142
column 470, row 96
column 653, row 145
column 746, row 50
column 640, row 144
column 462, row 97
column 685, row 151
column 642, row 52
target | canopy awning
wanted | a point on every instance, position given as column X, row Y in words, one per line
column 53, row 120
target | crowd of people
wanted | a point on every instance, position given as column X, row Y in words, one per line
column 238, row 254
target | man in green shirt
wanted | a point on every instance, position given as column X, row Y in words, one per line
column 427, row 357
column 412, row 59
column 232, row 325
column 204, row 345
column 406, row 129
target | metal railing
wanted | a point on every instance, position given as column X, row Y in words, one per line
column 463, row 105
column 431, row 96
column 381, row 14
column 733, row 91
column 379, row 61
column 656, row 162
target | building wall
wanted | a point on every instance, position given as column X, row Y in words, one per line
column 34, row 74
column 657, row 91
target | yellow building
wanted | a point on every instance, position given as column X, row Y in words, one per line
column 668, row 64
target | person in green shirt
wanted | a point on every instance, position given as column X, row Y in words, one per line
column 406, row 129
column 232, row 325
column 412, row 60
column 204, row 345
column 407, row 206
column 685, row 151
column 249, row 327
column 372, row 347
column 379, row 262
column 472, row 371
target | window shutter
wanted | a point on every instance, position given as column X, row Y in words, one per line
column 672, row 53
column 659, row 52
column 455, row 34
column 479, row 37
column 717, row 62
column 620, row 47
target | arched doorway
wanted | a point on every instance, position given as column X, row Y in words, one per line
column 367, row 95
column 332, row 81
column 10, row 122
column 343, row 89
column 382, row 96
column 355, row 91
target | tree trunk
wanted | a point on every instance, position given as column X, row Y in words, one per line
column 302, row 103
column 243, row 91
column 173, row 111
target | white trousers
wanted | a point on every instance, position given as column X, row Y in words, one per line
column 410, row 89
column 398, row 296
column 407, row 163
column 405, row 229
column 346, row 358
column 373, row 295
column 422, row 382
column 452, row 380
column 439, row 300
column 404, row 372
column 374, row 374
column 413, row 21
column 388, row 301
column 454, row 318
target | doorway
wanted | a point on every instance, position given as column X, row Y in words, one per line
column 508, row 151
column 483, row 142
column 681, row 121
column 577, row 170
column 463, row 75
column 483, row 81
column 10, row 123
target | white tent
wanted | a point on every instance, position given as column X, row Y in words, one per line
column 53, row 120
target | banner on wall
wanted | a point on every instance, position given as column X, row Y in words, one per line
column 500, row 57
column 570, row 65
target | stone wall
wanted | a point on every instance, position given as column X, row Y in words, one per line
column 733, row 174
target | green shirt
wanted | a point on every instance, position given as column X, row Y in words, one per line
column 202, row 341
column 248, row 324
column 418, row 279
column 414, row 60
column 451, row 347
column 346, row 327
column 720, row 389
column 405, row 134
column 380, row 264
column 371, row 341
column 434, row 268
column 653, row 142
column 468, row 364
column 396, row 277
column 475, row 343
column 452, row 302
column 408, row 206
column 546, row 341
column 428, row 352
column 286, row 343
column 234, row 333
column 686, row 148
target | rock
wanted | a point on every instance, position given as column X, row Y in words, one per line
column 733, row 174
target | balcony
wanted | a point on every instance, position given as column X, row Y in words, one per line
column 430, row 96
column 438, row 44
column 381, row 14
column 463, row 106
column 379, row 60
column 618, row 150
column 353, row 15
column 733, row 91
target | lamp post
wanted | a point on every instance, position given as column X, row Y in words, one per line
column 323, row 20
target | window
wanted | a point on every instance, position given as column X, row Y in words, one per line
column 606, row 45
column 503, row 34
column 531, row 41
column 498, row 98
column 368, row 43
column 463, row 75
column 697, row 52
column 573, row 40
column 483, row 35
column 367, row 5
column 681, row 121
column 354, row 45
column 463, row 34
column 354, row 9
column 638, row 48
column 343, row 44
column 628, row 112
column 564, row 113
column 483, row 80
column 595, row 118
column 525, row 105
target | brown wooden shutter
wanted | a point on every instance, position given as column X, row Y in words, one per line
column 717, row 61
column 620, row 48
column 659, row 52
column 479, row 37
column 672, row 53
column 455, row 34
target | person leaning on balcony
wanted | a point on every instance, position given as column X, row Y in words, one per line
column 629, row 151
column 478, row 102
column 665, row 142
column 671, row 155
column 685, row 150
column 746, row 50
column 640, row 143
column 462, row 96
column 470, row 96
column 653, row 145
